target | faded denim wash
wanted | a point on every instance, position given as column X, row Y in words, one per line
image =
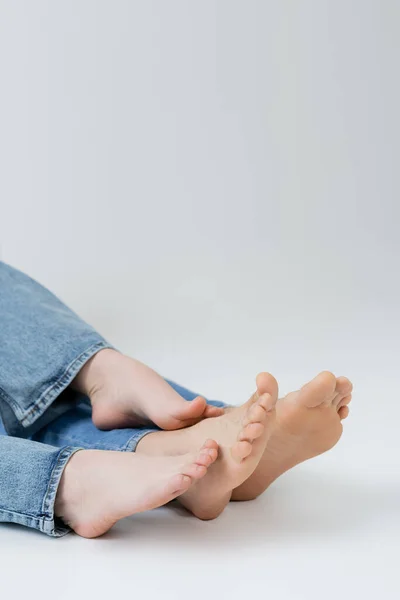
column 43, row 345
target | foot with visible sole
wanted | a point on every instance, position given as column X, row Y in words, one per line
column 308, row 423
column 242, row 435
column 98, row 488
column 126, row 393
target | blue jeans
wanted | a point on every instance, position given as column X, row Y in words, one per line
column 43, row 345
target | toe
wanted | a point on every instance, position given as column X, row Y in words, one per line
column 193, row 409
column 206, row 457
column 344, row 401
column 343, row 412
column 212, row 411
column 178, row 485
column 191, row 412
column 251, row 432
column 210, row 444
column 208, row 454
column 321, row 390
column 266, row 383
column 255, row 415
column 344, row 387
column 267, row 401
column 241, row 450
column 258, row 412
column 195, row 471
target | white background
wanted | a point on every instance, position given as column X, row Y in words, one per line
column 214, row 185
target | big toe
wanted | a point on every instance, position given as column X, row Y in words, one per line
column 189, row 412
column 318, row 391
column 266, row 383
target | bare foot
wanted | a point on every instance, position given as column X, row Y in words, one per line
column 98, row 488
column 127, row 393
column 241, row 434
column 308, row 423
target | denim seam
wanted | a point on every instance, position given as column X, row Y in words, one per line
column 27, row 417
column 129, row 446
column 48, row 524
column 10, row 401
column 132, row 443
column 98, row 445
column 31, row 521
column 46, row 521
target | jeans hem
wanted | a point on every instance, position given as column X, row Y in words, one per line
column 132, row 443
column 50, row 524
column 29, row 416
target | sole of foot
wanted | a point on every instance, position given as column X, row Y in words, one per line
column 98, row 488
column 308, row 423
column 242, row 436
column 126, row 393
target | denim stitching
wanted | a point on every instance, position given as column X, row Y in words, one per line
column 55, row 390
column 49, row 497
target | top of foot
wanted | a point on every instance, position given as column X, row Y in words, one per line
column 126, row 393
column 308, row 423
column 242, row 434
column 98, row 487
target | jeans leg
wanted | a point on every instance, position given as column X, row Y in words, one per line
column 29, row 477
column 43, row 345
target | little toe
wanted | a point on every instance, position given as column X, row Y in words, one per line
column 241, row 450
column 344, row 401
column 343, row 412
column 336, row 400
column 251, row 432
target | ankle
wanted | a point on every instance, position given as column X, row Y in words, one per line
column 94, row 372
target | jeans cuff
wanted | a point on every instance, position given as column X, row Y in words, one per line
column 23, row 422
column 49, row 523
column 62, row 383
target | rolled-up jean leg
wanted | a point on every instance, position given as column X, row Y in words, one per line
column 30, row 473
column 43, row 345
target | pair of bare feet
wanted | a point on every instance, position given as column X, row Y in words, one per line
column 209, row 456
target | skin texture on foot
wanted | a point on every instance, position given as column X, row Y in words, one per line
column 126, row 393
column 98, row 488
column 241, row 434
column 308, row 423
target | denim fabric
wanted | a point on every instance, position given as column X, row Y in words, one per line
column 30, row 471
column 43, row 345
column 29, row 476
column 76, row 428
